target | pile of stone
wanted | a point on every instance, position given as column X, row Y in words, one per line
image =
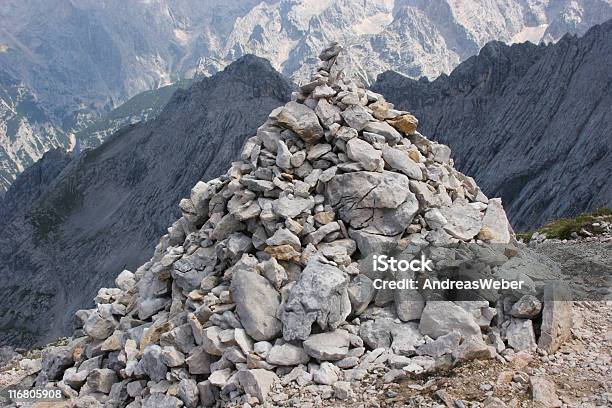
column 258, row 287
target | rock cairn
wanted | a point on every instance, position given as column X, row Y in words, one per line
column 257, row 289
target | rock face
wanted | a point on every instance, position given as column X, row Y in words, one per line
column 90, row 217
column 539, row 96
column 254, row 286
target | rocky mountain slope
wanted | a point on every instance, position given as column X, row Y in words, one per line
column 140, row 108
column 82, row 59
column 26, row 129
column 532, row 123
column 107, row 208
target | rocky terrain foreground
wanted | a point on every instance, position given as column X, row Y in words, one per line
column 263, row 292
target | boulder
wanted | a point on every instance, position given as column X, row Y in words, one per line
column 442, row 317
column 445, row 344
column 519, row 334
column 188, row 392
column 302, row 120
column 527, row 307
column 257, row 303
column 544, row 392
column 556, row 317
column 391, row 135
column 362, row 152
column 257, row 382
column 320, row 295
column 152, row 363
column 495, row 227
column 407, row 124
column 330, row 346
column 287, row 354
column 400, row 160
column 464, row 220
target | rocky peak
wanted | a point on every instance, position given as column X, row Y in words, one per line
column 261, row 275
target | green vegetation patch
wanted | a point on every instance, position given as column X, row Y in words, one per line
column 564, row 227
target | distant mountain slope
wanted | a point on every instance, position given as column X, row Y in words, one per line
column 107, row 208
column 27, row 129
column 82, row 59
column 32, row 183
column 533, row 123
column 141, row 107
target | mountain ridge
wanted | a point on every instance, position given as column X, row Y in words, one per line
column 528, row 117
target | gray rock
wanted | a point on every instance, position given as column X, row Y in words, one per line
column 101, row 380
column 391, row 135
column 544, row 392
column 283, row 236
column 493, row 402
column 256, row 304
column 291, row 207
column 329, row 346
column 527, row 307
column 441, row 152
column 257, row 382
column 356, row 116
column 435, row 219
column 302, row 120
column 400, row 160
column 373, row 204
column 495, row 226
column 172, row 357
column 472, row 348
column 519, row 334
column 464, row 220
column 325, row 374
column 409, row 303
column 219, row 378
column 188, row 392
column 125, row 280
column 342, row 390
column 385, row 332
column 159, row 400
column 198, row 361
column 394, row 375
column 75, row 378
column 320, row 296
column 208, row 393
column 442, row 317
column 556, row 317
column 152, row 363
column 363, row 153
column 361, row 292
column 99, row 327
column 55, row 360
column 328, row 113
column 287, row 354
column 283, row 155
column 445, row 344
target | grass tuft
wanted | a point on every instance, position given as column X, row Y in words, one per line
column 564, row 227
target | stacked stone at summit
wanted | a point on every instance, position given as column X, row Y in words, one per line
column 259, row 284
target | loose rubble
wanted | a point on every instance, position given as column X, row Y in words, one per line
column 257, row 293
